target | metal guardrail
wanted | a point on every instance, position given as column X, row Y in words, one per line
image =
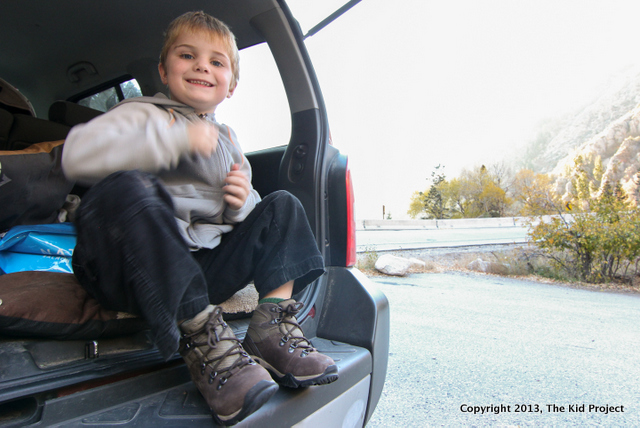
column 461, row 223
column 392, row 235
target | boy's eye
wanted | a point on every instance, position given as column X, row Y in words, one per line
column 186, row 56
column 217, row 63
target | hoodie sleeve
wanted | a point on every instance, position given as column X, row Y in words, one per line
column 133, row 135
column 232, row 216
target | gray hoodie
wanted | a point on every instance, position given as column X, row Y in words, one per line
column 150, row 134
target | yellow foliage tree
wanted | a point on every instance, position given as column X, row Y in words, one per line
column 534, row 194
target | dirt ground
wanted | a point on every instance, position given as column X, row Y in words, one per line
column 439, row 260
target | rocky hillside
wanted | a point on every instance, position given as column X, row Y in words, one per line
column 608, row 128
column 618, row 146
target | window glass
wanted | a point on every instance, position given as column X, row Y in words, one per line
column 102, row 101
column 131, row 89
column 109, row 97
column 258, row 111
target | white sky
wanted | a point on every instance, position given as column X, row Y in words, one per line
column 411, row 84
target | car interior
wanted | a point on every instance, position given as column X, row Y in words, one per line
column 54, row 59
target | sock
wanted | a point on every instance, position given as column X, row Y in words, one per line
column 200, row 316
column 275, row 300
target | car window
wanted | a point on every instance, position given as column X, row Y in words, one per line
column 258, row 111
column 111, row 96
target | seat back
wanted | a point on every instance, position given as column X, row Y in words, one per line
column 19, row 126
column 27, row 130
column 71, row 114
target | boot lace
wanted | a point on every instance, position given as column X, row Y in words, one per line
column 222, row 363
column 291, row 330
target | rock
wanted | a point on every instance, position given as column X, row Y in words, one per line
column 393, row 265
column 480, row 265
column 244, row 301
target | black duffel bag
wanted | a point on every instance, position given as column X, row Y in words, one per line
column 33, row 187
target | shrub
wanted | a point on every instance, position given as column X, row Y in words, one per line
column 367, row 260
column 599, row 244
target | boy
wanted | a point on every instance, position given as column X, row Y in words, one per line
column 172, row 226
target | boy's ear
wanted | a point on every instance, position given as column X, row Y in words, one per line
column 232, row 89
column 163, row 73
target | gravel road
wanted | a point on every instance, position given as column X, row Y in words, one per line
column 480, row 350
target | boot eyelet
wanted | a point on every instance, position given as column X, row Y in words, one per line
column 223, row 381
column 203, row 367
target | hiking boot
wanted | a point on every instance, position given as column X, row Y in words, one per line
column 230, row 381
column 276, row 341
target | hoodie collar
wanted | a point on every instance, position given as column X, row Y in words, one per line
column 161, row 99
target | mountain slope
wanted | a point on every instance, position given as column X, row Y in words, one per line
column 608, row 128
column 560, row 138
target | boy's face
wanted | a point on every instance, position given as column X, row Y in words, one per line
column 198, row 71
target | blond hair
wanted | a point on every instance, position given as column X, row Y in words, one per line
column 201, row 21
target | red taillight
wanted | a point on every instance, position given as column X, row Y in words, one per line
column 351, row 221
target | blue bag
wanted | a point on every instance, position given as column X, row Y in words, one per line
column 46, row 247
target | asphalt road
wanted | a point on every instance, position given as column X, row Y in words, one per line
column 540, row 354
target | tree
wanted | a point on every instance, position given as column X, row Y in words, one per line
column 476, row 193
column 584, row 185
column 493, row 199
column 601, row 240
column 416, row 205
column 434, row 202
column 534, row 195
column 482, row 193
column 458, row 201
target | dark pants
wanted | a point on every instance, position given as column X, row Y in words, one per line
column 131, row 257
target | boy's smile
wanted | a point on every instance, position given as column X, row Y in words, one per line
column 198, row 71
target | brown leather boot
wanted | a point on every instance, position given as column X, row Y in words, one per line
column 276, row 341
column 232, row 384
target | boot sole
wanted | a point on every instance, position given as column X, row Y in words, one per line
column 255, row 398
column 290, row 381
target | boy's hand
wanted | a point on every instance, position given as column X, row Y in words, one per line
column 203, row 138
column 237, row 188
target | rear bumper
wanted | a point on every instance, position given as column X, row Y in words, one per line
column 352, row 327
column 169, row 398
column 356, row 312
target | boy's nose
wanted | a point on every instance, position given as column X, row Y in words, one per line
column 204, row 67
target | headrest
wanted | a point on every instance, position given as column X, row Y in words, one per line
column 12, row 100
column 71, row 114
